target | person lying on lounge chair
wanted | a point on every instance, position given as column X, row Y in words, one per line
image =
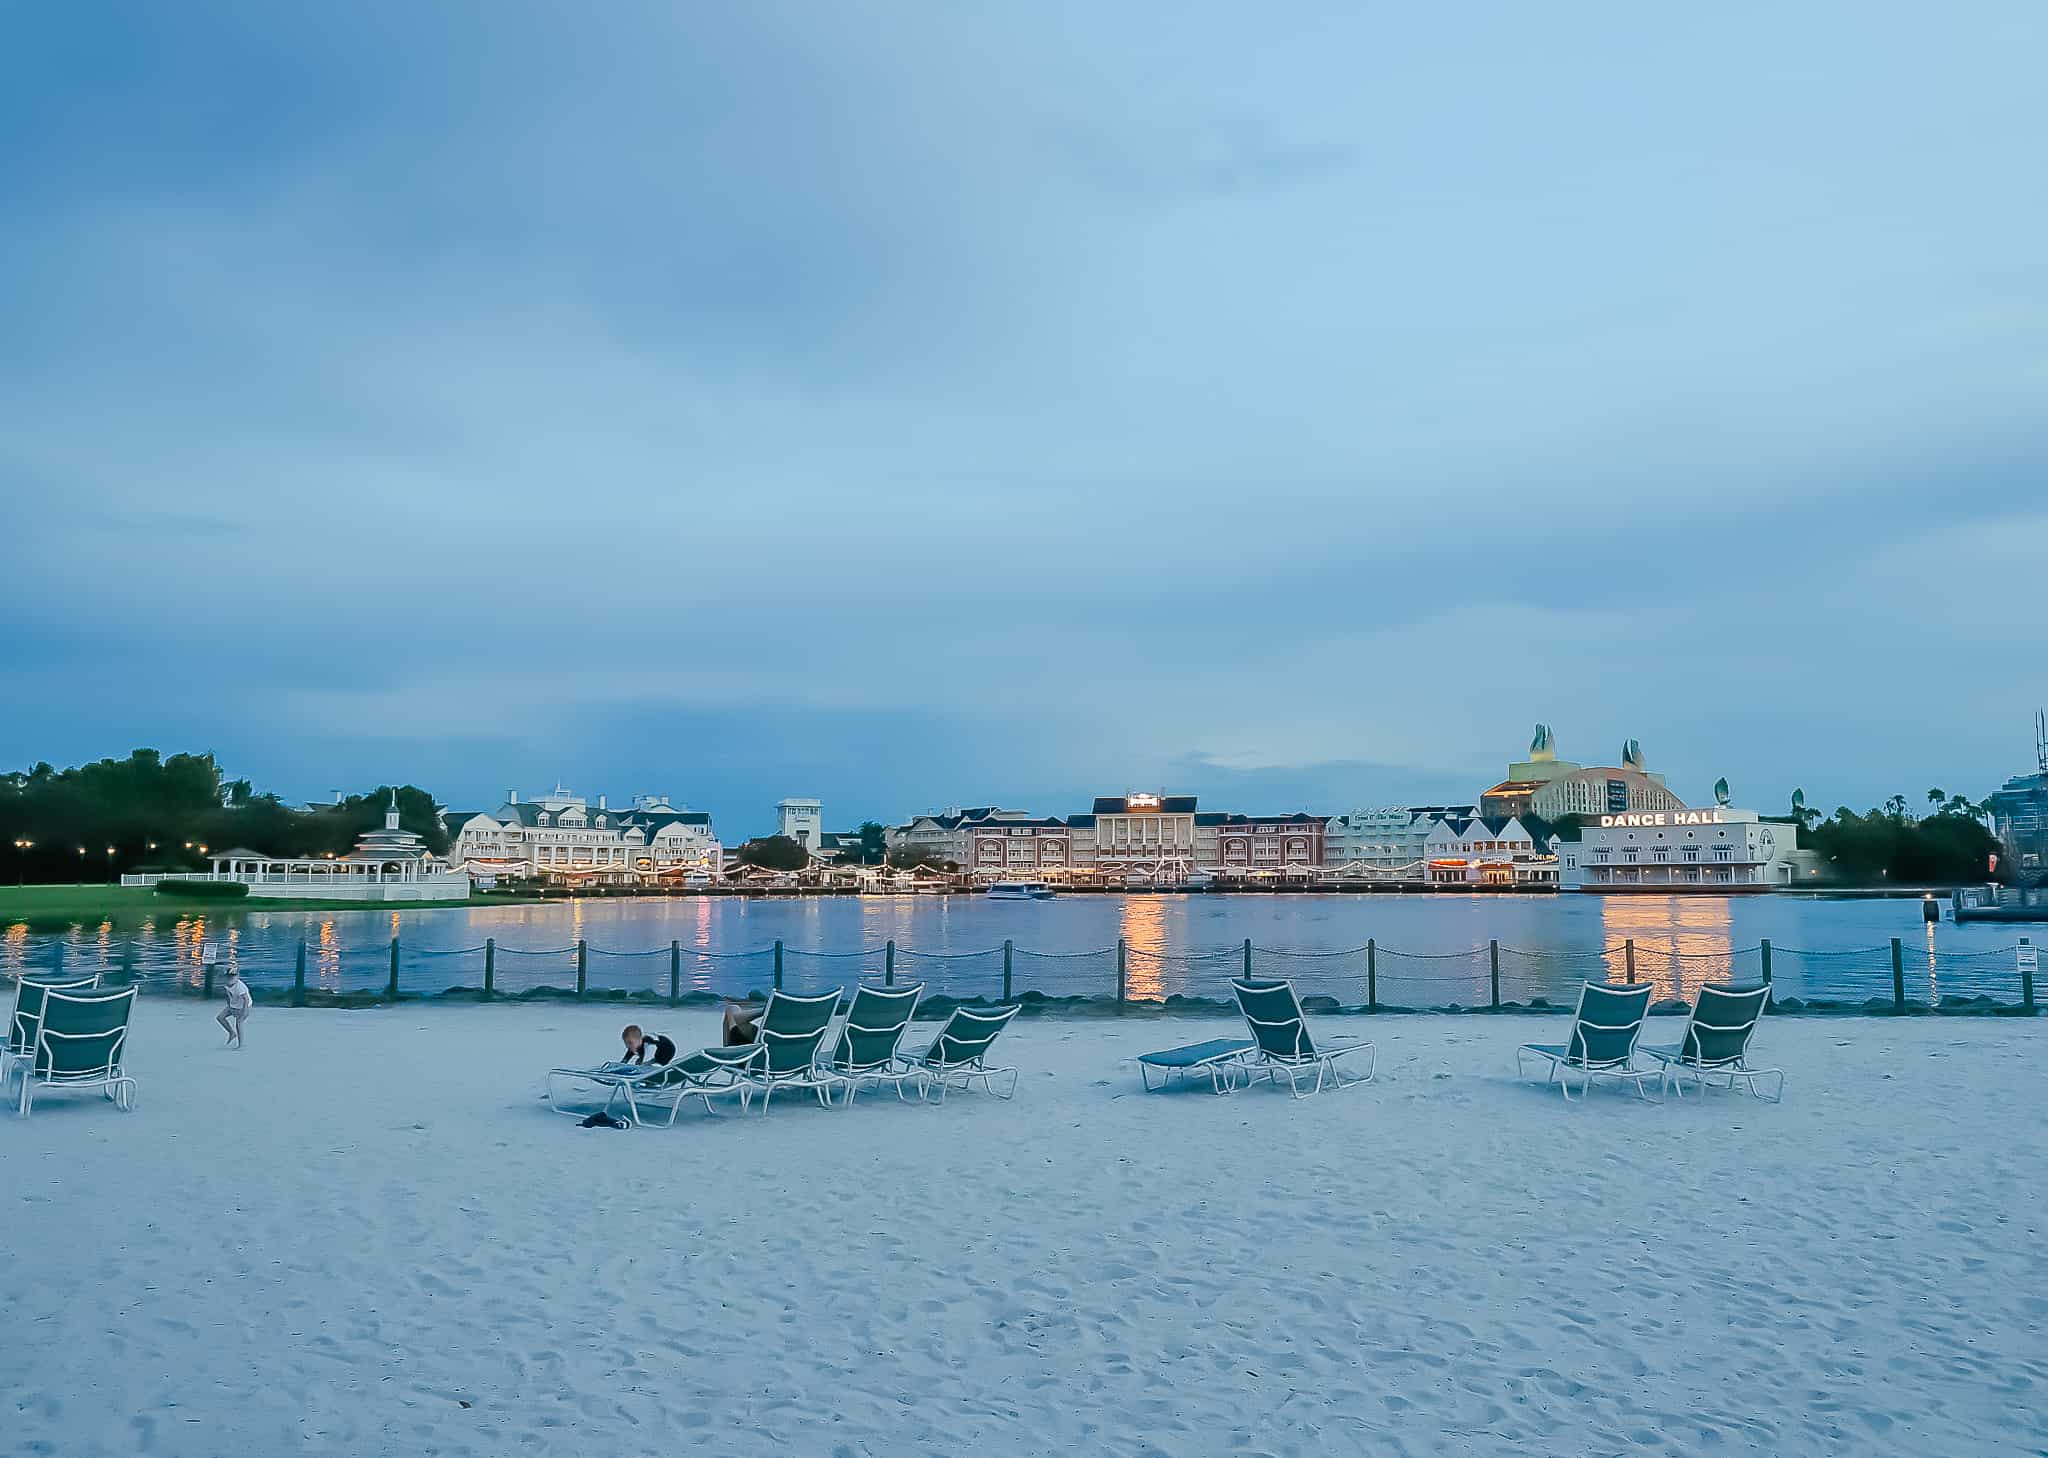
column 647, row 1047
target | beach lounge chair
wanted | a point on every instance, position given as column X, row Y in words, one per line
column 81, row 1044
column 866, row 1050
column 1605, row 1027
column 784, row 1053
column 1280, row 1029
column 1221, row 1059
column 958, row 1056
column 1716, row 1042
column 27, row 1017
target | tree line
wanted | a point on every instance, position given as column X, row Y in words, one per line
column 93, row 822
column 1949, row 845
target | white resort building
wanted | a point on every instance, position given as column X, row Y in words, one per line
column 1716, row 851
column 803, row 821
column 561, row 836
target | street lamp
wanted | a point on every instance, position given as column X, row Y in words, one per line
column 22, row 848
column 110, row 863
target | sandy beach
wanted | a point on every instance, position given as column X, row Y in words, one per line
column 366, row 1234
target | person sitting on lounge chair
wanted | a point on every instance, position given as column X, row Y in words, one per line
column 645, row 1047
column 741, row 1025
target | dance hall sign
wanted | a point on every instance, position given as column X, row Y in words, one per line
column 1656, row 819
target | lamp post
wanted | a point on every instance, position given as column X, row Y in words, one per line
column 110, row 863
column 21, row 850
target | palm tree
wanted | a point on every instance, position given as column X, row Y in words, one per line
column 1935, row 797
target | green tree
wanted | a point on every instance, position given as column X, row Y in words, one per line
column 775, row 853
column 874, row 842
column 916, row 858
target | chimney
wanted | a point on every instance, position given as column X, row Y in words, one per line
column 512, row 797
column 600, row 802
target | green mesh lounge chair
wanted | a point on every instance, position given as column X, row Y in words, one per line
column 80, row 1044
column 1220, row 1060
column 27, row 1017
column 958, row 1056
column 1716, row 1043
column 785, row 1053
column 1603, row 1041
column 866, row 1050
column 1285, row 1046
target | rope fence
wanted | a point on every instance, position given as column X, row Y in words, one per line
column 1896, row 977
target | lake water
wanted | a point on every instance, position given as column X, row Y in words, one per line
column 1429, row 950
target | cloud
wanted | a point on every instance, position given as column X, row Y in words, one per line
column 978, row 406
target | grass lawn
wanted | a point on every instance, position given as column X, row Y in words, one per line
column 55, row 907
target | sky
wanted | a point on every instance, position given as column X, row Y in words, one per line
column 917, row 405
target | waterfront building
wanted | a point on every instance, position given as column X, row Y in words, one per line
column 947, row 835
column 1551, row 788
column 1141, row 836
column 1486, row 850
column 2019, row 814
column 1715, row 851
column 1389, row 843
column 1008, row 846
column 562, row 836
column 1231, row 842
column 803, row 821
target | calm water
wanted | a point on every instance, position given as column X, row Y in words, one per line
column 1430, row 950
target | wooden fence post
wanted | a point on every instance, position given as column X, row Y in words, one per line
column 778, row 964
column 1764, row 947
column 299, row 976
column 1372, row 975
column 675, row 972
column 1628, row 951
column 582, row 966
column 889, row 964
column 1006, row 969
column 392, row 990
column 1493, row 953
column 490, row 966
column 1247, row 959
column 1898, row 977
column 1122, row 961
column 2027, row 958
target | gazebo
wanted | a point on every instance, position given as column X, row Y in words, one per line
column 386, row 865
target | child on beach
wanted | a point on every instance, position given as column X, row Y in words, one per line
column 237, row 1011
column 643, row 1047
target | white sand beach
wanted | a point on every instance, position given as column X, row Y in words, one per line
column 365, row 1234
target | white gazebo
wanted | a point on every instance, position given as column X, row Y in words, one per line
column 385, row 865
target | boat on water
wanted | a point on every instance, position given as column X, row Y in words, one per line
column 1020, row 891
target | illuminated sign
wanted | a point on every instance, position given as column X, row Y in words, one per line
column 1654, row 818
column 1141, row 802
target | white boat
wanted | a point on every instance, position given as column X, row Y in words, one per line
column 1020, row 891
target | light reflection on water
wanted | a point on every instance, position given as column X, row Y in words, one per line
column 1549, row 943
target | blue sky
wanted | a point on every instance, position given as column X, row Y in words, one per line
column 912, row 405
